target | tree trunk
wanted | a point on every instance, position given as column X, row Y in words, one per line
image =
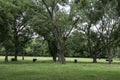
column 109, row 56
column 54, row 53
column 110, row 59
column 94, row 59
column 6, row 56
column 54, row 58
column 23, row 56
column 15, row 41
column 61, row 56
column 53, row 49
column 16, row 54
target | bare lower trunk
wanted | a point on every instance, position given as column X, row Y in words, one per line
column 15, row 57
column 23, row 56
column 52, row 50
column 16, row 54
column 94, row 58
column 109, row 59
column 109, row 56
column 54, row 53
column 54, row 58
column 6, row 56
column 61, row 54
column 61, row 59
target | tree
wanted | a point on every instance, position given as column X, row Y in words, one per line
column 22, row 32
column 108, row 25
column 93, row 12
column 15, row 23
column 5, row 27
column 90, row 13
column 55, row 25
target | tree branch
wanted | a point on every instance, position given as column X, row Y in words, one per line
column 47, row 7
column 72, row 27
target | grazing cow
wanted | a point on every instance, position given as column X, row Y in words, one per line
column 75, row 61
column 13, row 59
column 34, row 60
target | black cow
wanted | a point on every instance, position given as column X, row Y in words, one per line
column 34, row 60
column 75, row 61
column 13, row 59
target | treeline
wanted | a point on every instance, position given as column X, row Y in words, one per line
column 59, row 28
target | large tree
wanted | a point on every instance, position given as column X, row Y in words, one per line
column 22, row 32
column 14, row 17
column 90, row 13
column 55, row 25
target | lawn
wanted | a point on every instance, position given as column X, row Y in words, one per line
column 45, row 69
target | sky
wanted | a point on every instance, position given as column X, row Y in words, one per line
column 65, row 8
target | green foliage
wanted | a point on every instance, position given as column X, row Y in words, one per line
column 2, row 50
column 6, row 30
column 37, row 47
column 76, row 44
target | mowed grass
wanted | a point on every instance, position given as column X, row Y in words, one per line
column 46, row 69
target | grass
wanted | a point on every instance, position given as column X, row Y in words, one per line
column 45, row 69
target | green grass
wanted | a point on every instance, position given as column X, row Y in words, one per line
column 46, row 69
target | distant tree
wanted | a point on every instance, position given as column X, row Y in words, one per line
column 76, row 45
column 38, row 47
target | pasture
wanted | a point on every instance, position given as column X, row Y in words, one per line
column 45, row 69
